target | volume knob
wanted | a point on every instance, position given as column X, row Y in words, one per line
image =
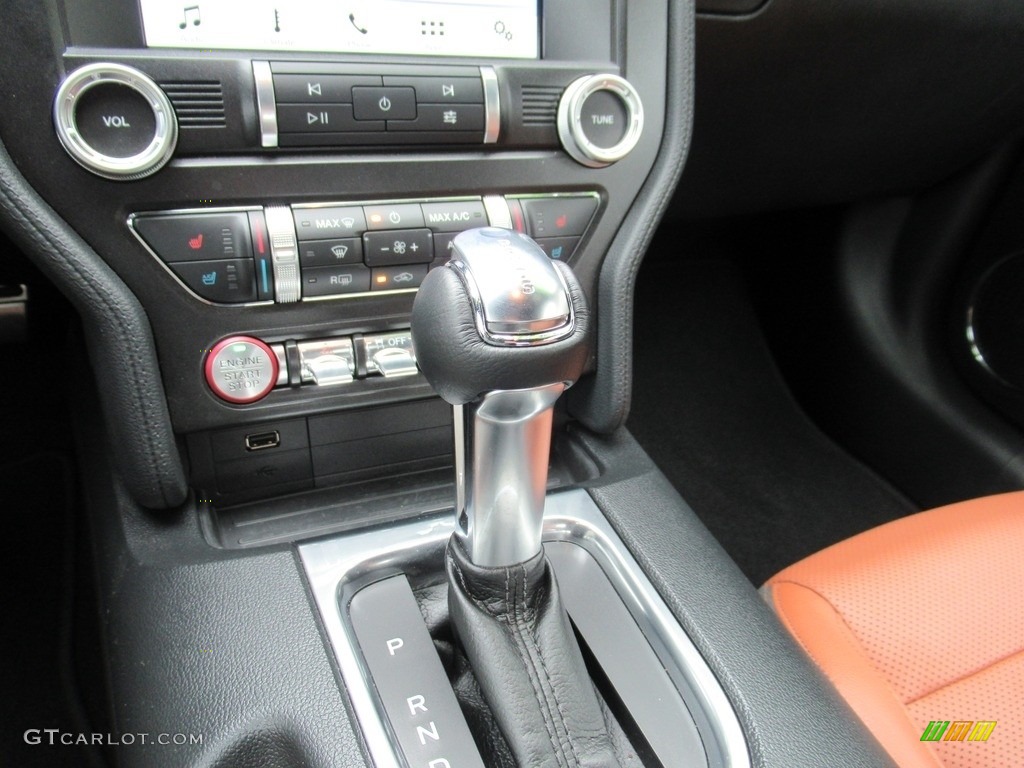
column 115, row 121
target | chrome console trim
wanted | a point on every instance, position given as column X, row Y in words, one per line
column 492, row 105
column 336, row 568
column 266, row 103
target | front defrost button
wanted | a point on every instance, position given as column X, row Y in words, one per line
column 241, row 369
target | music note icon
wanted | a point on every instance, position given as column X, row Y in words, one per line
column 191, row 13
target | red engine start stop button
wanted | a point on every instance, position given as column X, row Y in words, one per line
column 241, row 369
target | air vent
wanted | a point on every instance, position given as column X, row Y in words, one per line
column 199, row 104
column 540, row 104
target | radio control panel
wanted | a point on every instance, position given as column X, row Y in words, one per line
column 304, row 104
column 126, row 119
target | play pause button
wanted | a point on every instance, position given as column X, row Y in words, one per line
column 321, row 118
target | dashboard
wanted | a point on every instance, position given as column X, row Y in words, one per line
column 241, row 200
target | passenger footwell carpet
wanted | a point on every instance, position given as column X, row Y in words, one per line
column 712, row 410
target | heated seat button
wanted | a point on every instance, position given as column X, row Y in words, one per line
column 226, row 281
column 558, row 216
column 384, row 103
column 241, row 369
column 196, row 236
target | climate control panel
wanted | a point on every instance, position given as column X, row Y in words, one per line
column 283, row 254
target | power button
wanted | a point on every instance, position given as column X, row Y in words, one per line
column 115, row 121
column 241, row 369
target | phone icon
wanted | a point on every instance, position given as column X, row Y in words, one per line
column 352, row 18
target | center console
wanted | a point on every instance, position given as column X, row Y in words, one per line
column 242, row 200
column 273, row 184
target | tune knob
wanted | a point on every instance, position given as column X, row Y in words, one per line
column 115, row 121
column 600, row 118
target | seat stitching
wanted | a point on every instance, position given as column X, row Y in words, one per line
column 531, row 667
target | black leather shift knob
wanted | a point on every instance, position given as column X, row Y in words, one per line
column 464, row 352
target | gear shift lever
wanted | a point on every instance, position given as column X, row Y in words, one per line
column 500, row 336
column 500, row 332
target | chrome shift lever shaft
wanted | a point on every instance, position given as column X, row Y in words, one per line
column 500, row 335
column 500, row 490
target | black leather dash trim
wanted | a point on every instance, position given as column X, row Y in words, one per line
column 117, row 334
column 602, row 401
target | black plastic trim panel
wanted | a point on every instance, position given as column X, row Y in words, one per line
column 602, row 401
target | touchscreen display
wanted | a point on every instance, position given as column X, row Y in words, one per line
column 481, row 28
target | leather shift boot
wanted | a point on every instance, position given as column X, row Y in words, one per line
column 516, row 634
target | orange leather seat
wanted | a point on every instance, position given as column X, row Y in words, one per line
column 922, row 620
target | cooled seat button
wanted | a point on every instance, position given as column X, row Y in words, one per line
column 241, row 369
column 228, row 281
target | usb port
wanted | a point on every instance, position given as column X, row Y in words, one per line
column 260, row 441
